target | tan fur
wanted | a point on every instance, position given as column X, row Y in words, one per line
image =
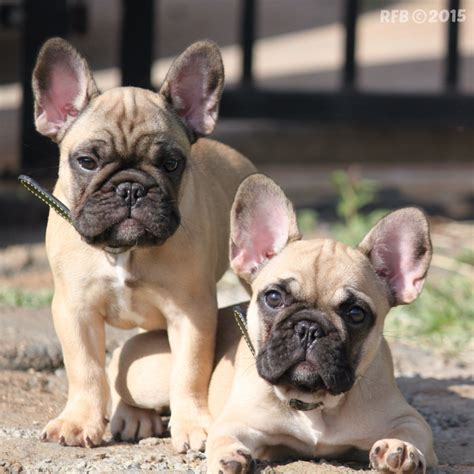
column 172, row 286
column 253, row 419
column 158, row 290
column 150, row 353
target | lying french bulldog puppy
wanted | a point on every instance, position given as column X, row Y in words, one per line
column 321, row 383
column 150, row 205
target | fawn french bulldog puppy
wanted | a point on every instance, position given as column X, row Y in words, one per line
column 321, row 383
column 150, row 202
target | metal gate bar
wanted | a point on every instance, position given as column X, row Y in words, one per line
column 47, row 18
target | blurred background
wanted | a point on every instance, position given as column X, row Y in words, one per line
column 351, row 113
column 355, row 107
column 312, row 86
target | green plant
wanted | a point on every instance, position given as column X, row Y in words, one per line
column 307, row 220
column 442, row 317
column 353, row 194
column 18, row 298
column 466, row 256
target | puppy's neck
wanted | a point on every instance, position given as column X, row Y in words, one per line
column 121, row 263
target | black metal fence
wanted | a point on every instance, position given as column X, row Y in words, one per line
column 348, row 104
column 450, row 107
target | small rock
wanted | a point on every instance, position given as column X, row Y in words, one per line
column 149, row 442
column 193, row 455
column 101, row 456
column 61, row 373
column 15, row 468
column 180, row 467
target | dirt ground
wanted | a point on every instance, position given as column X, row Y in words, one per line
column 33, row 390
column 441, row 389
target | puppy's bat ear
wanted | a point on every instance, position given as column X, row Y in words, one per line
column 399, row 247
column 193, row 86
column 262, row 223
column 62, row 87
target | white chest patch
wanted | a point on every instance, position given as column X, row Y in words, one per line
column 121, row 265
column 124, row 306
column 312, row 426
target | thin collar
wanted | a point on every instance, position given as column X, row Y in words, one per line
column 43, row 195
column 54, row 203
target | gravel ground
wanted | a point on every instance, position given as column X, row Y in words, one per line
column 33, row 390
column 442, row 389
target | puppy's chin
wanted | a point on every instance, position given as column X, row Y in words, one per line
column 302, row 382
column 130, row 233
column 304, row 377
column 288, row 392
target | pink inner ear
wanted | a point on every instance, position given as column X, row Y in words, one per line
column 396, row 262
column 265, row 234
column 59, row 99
column 191, row 98
column 63, row 91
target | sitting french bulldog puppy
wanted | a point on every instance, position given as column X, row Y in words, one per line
column 321, row 383
column 150, row 205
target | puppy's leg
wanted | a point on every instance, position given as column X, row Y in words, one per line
column 192, row 339
column 407, row 448
column 244, row 433
column 235, row 439
column 226, row 455
column 139, row 374
column 82, row 336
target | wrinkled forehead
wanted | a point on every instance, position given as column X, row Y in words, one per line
column 318, row 270
column 128, row 120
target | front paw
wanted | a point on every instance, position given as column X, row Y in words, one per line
column 132, row 424
column 75, row 429
column 233, row 461
column 393, row 455
column 189, row 432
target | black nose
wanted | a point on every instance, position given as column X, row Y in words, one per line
column 308, row 332
column 130, row 192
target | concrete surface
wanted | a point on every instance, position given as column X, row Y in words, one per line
column 28, row 340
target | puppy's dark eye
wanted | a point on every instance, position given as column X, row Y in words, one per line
column 273, row 299
column 87, row 163
column 171, row 165
column 356, row 315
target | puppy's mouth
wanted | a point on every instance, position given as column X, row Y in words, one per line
column 305, row 377
column 306, row 355
column 128, row 233
column 131, row 232
column 129, row 210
